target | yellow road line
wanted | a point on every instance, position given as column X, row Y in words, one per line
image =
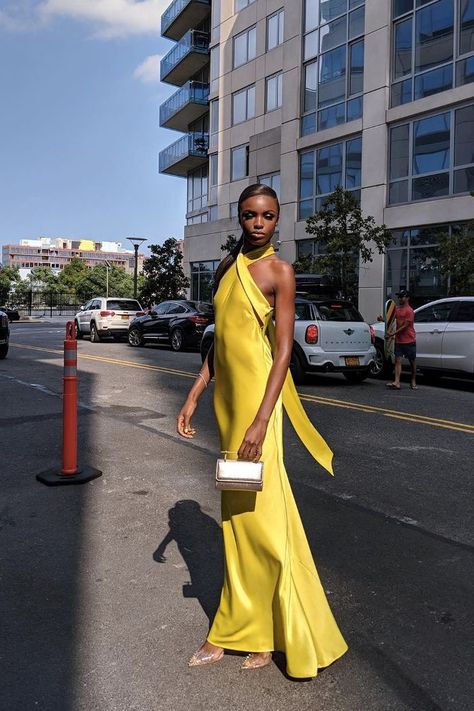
column 331, row 402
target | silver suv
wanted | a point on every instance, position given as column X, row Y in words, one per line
column 330, row 337
column 106, row 317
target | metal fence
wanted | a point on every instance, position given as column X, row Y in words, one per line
column 49, row 303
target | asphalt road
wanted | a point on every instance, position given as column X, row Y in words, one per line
column 104, row 596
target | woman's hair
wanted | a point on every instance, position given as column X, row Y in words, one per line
column 250, row 191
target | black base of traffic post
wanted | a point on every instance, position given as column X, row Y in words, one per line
column 52, row 477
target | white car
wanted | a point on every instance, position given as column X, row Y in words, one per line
column 330, row 337
column 444, row 338
column 106, row 317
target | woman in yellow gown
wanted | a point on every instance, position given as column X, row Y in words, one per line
column 272, row 598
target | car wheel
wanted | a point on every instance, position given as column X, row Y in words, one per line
column 177, row 339
column 135, row 338
column 3, row 350
column 380, row 367
column 356, row 376
column 77, row 331
column 296, row 368
column 95, row 338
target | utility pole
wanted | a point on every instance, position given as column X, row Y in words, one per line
column 136, row 241
column 107, row 267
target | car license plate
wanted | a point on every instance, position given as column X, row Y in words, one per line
column 352, row 360
column 124, row 318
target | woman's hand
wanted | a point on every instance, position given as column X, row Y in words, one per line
column 251, row 447
column 184, row 426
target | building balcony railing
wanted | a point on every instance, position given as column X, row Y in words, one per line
column 182, row 15
column 185, row 106
column 185, row 154
column 186, row 58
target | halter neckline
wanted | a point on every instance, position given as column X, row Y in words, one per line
column 258, row 253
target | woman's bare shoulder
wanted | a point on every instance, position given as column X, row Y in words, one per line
column 282, row 269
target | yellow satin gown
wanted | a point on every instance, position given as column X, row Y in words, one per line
column 272, row 598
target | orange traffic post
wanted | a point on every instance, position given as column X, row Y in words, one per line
column 69, row 472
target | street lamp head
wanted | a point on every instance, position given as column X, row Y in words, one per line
column 137, row 241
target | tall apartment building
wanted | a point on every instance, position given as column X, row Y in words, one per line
column 374, row 95
column 56, row 252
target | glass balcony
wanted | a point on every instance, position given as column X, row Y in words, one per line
column 186, row 58
column 183, row 15
column 185, row 154
column 185, row 106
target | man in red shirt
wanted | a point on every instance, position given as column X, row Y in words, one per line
column 405, row 339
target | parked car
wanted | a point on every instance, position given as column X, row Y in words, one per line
column 444, row 339
column 106, row 317
column 4, row 334
column 13, row 314
column 330, row 337
column 179, row 322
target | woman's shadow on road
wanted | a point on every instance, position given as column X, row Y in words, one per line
column 199, row 540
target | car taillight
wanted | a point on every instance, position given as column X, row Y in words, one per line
column 140, row 313
column 198, row 319
column 312, row 333
column 107, row 313
column 372, row 334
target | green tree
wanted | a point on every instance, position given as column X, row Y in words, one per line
column 9, row 277
column 163, row 275
column 345, row 236
column 456, row 260
column 72, row 274
column 44, row 278
column 94, row 282
column 229, row 244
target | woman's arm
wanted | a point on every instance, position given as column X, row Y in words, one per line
column 184, row 427
column 284, row 290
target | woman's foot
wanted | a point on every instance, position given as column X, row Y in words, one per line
column 392, row 386
column 206, row 654
column 257, row 660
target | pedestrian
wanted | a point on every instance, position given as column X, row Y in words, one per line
column 405, row 339
column 272, row 598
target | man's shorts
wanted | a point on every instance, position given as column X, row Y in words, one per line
column 405, row 350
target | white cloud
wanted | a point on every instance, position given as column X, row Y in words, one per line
column 109, row 18
column 149, row 71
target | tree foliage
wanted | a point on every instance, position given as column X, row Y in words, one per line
column 163, row 275
column 9, row 277
column 456, row 260
column 346, row 236
column 229, row 244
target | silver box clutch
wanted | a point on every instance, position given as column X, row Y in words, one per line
column 239, row 474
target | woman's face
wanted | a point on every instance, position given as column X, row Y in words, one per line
column 258, row 219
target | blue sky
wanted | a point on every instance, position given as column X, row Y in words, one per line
column 79, row 133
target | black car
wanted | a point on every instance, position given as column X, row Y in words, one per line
column 4, row 334
column 180, row 323
column 13, row 314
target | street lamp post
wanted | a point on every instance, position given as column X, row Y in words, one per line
column 107, row 267
column 136, row 241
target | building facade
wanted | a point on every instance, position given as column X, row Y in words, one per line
column 57, row 252
column 305, row 95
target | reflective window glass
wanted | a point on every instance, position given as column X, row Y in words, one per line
column 311, row 17
column 398, row 192
column 464, row 180
column 306, row 174
column 274, row 92
column 353, row 163
column 356, row 68
column 401, row 6
column 399, row 151
column 434, row 32
column 331, row 9
column 433, row 82
column 333, row 116
column 464, row 136
column 354, row 108
column 431, row 144
column 239, row 162
column 466, row 38
column 333, row 34
column 329, row 168
column 430, row 186
column 465, row 71
column 310, row 87
column 332, row 76
column 403, row 48
column 464, row 313
column 357, row 22
column 311, row 45
column 275, row 29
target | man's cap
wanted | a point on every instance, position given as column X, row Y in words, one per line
column 403, row 292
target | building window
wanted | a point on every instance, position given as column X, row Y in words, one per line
column 213, row 177
column 239, row 159
column 323, row 169
column 240, row 4
column 215, row 69
column 432, row 156
column 413, row 262
column 273, row 180
column 243, row 105
column 214, row 123
column 245, row 47
column 202, row 279
column 273, row 92
column 333, row 69
column 233, row 210
column 197, row 219
column 213, row 213
column 197, row 189
column 275, row 29
column 433, row 47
